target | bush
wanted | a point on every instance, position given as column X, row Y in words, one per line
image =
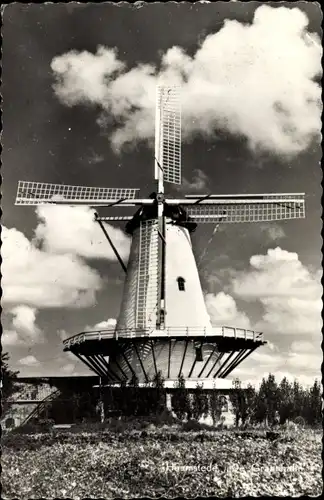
column 272, row 436
column 118, row 426
column 89, row 427
column 24, row 429
column 290, row 426
column 165, row 417
column 300, row 421
column 112, row 424
column 193, row 425
column 127, row 424
column 34, row 428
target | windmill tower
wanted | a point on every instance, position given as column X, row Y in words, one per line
column 163, row 323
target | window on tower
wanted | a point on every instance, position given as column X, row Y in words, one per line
column 181, row 284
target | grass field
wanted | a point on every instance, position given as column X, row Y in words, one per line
column 164, row 461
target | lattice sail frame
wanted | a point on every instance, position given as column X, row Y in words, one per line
column 147, row 277
column 38, row 193
column 168, row 134
column 232, row 211
column 140, row 298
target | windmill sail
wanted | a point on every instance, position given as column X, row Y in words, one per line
column 140, row 297
column 168, row 135
column 39, row 193
column 148, row 272
column 271, row 208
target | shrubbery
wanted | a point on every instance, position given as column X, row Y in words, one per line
column 276, row 403
column 132, row 400
column 8, row 379
column 300, row 421
column 137, row 463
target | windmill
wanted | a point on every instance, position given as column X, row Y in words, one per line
column 163, row 323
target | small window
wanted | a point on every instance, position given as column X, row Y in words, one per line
column 181, row 284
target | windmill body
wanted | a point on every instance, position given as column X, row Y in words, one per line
column 183, row 297
column 163, row 325
column 185, row 304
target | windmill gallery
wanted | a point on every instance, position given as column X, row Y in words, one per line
column 163, row 326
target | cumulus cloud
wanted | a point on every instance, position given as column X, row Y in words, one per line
column 289, row 292
column 108, row 324
column 63, row 334
column 81, row 68
column 294, row 317
column 24, row 319
column 95, row 158
column 37, row 278
column 69, row 364
column 11, row 338
column 304, row 361
column 254, row 80
column 290, row 316
column 273, row 232
column 64, row 229
column 223, row 311
column 254, row 378
column 199, row 182
column 68, row 368
column 29, row 361
column 49, row 271
column 303, row 366
column 278, row 273
column 304, row 346
column 23, row 329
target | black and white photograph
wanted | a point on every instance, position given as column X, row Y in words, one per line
column 161, row 250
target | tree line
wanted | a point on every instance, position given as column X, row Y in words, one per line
column 273, row 402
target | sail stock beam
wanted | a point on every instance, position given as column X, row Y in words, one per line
column 245, row 196
column 89, row 203
column 236, row 200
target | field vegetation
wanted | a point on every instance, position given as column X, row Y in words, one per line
column 138, row 458
column 274, row 448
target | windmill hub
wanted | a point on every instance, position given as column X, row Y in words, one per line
column 160, row 198
column 172, row 214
